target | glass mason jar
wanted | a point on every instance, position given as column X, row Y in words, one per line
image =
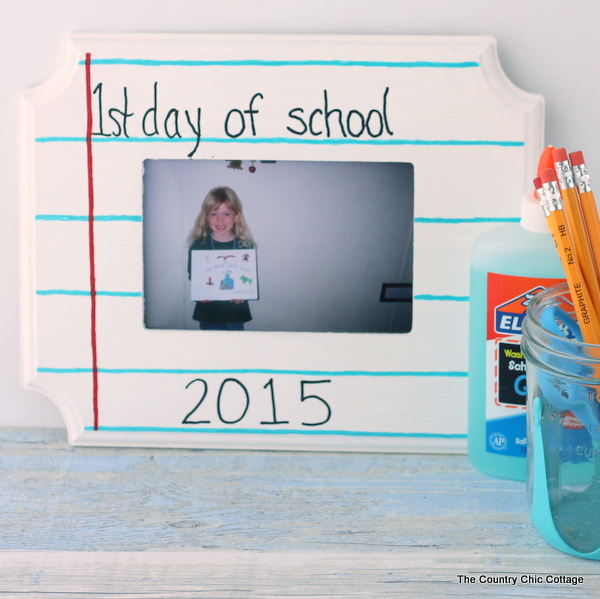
column 563, row 425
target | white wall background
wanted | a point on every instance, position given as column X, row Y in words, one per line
column 329, row 234
column 545, row 46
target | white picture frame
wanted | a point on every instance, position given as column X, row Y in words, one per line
column 441, row 105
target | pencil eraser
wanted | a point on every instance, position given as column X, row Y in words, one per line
column 545, row 160
column 559, row 155
column 576, row 158
column 547, row 175
column 537, row 182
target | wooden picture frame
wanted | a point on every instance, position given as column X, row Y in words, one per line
column 441, row 106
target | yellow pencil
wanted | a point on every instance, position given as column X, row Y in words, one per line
column 552, row 204
column 577, row 224
column 588, row 202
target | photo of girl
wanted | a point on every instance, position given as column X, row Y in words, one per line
column 336, row 246
column 220, row 225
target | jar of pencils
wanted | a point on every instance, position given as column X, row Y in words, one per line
column 563, row 425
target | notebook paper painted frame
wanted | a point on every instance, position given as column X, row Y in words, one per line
column 440, row 104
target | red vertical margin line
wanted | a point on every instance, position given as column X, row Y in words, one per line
column 90, row 173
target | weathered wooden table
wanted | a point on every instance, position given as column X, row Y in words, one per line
column 162, row 523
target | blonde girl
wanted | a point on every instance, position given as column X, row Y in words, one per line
column 222, row 199
column 220, row 225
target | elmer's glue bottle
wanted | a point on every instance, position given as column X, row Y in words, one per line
column 509, row 265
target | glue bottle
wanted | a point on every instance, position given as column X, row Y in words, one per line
column 510, row 264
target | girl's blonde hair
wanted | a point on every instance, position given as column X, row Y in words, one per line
column 212, row 201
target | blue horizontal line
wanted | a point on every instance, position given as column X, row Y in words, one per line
column 288, row 140
column 138, row 219
column 97, row 217
column 443, row 298
column 374, row 373
column 87, row 292
column 269, row 431
column 424, row 296
column 477, row 219
column 416, row 64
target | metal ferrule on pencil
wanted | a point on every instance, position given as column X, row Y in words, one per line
column 582, row 178
column 550, row 198
column 541, row 194
column 564, row 174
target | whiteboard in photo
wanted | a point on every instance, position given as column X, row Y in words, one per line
column 224, row 275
